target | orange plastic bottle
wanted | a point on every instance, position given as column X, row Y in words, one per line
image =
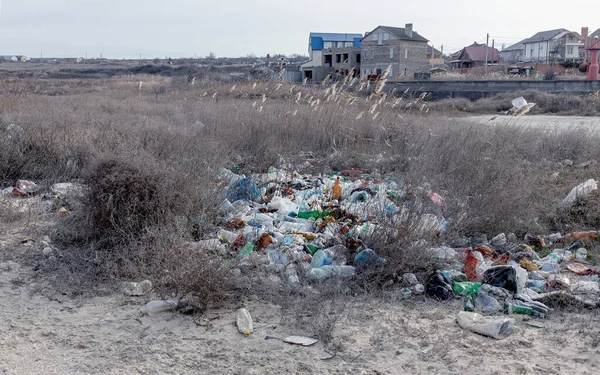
column 336, row 191
column 471, row 266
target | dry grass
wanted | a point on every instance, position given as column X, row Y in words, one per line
column 151, row 162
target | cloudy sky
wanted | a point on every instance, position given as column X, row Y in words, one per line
column 185, row 28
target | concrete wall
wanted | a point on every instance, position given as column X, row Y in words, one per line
column 481, row 89
column 350, row 51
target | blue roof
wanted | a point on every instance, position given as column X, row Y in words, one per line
column 336, row 37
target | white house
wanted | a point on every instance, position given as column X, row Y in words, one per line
column 553, row 46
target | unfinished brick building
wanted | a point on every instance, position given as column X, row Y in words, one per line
column 402, row 48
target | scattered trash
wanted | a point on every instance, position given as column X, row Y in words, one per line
column 501, row 277
column 496, row 327
column 297, row 340
column 156, row 307
column 244, row 322
column 580, row 191
column 438, row 287
column 580, row 269
column 300, row 340
column 136, row 289
column 25, row 188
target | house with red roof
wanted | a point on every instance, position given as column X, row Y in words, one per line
column 475, row 55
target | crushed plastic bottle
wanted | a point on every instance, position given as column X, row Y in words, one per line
column 155, row 307
column 581, row 254
column 496, row 327
column 487, row 304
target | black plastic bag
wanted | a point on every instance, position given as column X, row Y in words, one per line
column 438, row 287
column 502, row 277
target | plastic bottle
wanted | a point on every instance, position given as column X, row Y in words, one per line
column 341, row 271
column 487, row 304
column 227, row 236
column 246, row 250
column 409, row 279
column 418, row 289
column 511, row 308
column 563, row 254
column 496, row 327
column 471, row 265
column 581, row 254
column 336, row 191
column 469, row 304
column 538, row 285
column 244, row 322
column 155, row 307
column 466, row 287
column 136, row 289
column 313, row 214
column 320, row 259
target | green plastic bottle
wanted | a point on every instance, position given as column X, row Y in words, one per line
column 466, row 288
column 469, row 303
column 312, row 248
column 246, row 250
column 313, row 214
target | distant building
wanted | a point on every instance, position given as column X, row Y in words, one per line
column 475, row 55
column 331, row 53
column 13, row 58
column 403, row 49
column 514, row 53
column 434, row 56
column 552, row 46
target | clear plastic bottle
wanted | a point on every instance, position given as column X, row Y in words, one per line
column 155, row 307
column 244, row 322
column 581, row 254
column 496, row 327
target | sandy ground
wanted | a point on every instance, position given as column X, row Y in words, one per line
column 48, row 333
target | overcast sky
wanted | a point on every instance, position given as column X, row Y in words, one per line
column 184, row 28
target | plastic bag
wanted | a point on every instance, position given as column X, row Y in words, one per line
column 502, row 277
column 438, row 287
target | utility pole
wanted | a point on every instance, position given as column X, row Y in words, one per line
column 487, row 41
column 493, row 48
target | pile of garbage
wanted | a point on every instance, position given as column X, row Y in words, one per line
column 317, row 225
column 286, row 222
column 61, row 197
column 501, row 277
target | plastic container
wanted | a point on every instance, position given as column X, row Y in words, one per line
column 331, row 271
column 227, row 236
column 466, row 288
column 136, row 289
column 418, row 289
column 367, row 257
column 469, row 304
column 487, row 304
column 581, row 254
column 471, row 264
column 320, row 259
column 283, row 205
column 496, row 327
column 512, row 308
column 409, row 279
column 244, row 322
column 537, row 285
column 336, row 191
column 156, row 307
column 563, row 254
